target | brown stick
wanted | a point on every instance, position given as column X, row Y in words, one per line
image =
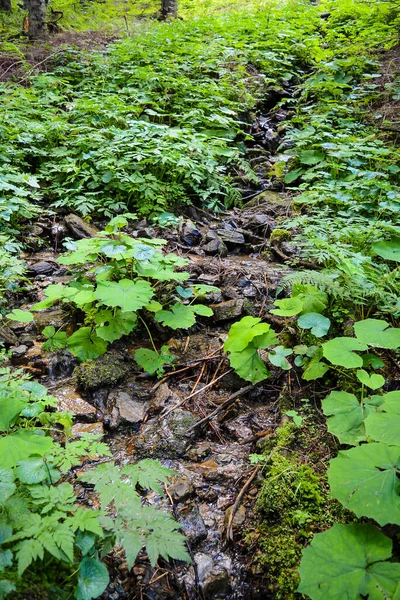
column 227, row 403
column 229, row 530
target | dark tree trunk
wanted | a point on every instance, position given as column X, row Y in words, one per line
column 169, row 9
column 5, row 5
column 37, row 29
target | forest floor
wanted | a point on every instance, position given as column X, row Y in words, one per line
column 250, row 456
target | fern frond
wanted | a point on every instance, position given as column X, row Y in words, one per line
column 325, row 282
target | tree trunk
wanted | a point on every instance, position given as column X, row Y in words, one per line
column 37, row 29
column 169, row 9
column 5, row 5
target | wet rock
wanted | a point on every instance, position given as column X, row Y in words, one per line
column 80, row 428
column 71, row 401
column 239, row 517
column 79, row 227
column 193, row 526
column 273, row 203
column 7, row 336
column 147, row 232
column 126, row 409
column 62, row 364
column 231, row 309
column 105, row 370
column 190, row 234
column 162, row 399
column 231, row 237
column 181, row 489
column 216, row 246
column 166, row 438
column 54, row 317
column 18, row 351
column 42, row 267
column 214, row 574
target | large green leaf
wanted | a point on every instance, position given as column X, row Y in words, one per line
column 92, row 580
column 114, row 326
column 378, row 333
column 288, row 307
column 23, row 444
column 10, row 408
column 340, row 351
column 181, row 316
column 245, row 330
column 346, row 416
column 383, row 425
column 346, row 562
column 388, row 250
column 249, row 365
column 318, row 324
column 364, row 480
column 86, row 345
column 23, row 316
column 373, row 381
column 35, row 470
column 126, row 294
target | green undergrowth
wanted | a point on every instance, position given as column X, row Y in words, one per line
column 293, row 504
column 151, row 122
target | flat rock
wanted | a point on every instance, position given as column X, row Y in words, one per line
column 216, row 246
column 54, row 317
column 80, row 428
column 79, row 227
column 231, row 309
column 18, row 351
column 193, row 526
column 232, row 238
column 42, row 267
column 191, row 236
column 126, row 409
column 71, row 401
column 163, row 398
column 181, row 489
column 166, row 438
column 239, row 517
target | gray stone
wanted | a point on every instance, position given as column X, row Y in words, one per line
column 71, row 401
column 216, row 246
column 232, row 238
column 79, row 227
column 127, row 410
column 18, row 351
column 162, row 398
column 214, row 574
column 193, row 526
column 190, row 234
column 7, row 336
column 166, row 438
column 231, row 309
column 54, row 317
column 181, row 489
column 42, row 267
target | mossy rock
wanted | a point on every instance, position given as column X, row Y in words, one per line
column 279, row 235
column 105, row 371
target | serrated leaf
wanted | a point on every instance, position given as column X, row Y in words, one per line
column 288, row 307
column 23, row 444
column 27, row 552
column 114, row 325
column 93, row 579
column 6, row 587
column 23, row 316
column 86, row 345
column 5, row 531
column 125, row 294
column 132, row 542
column 346, row 562
column 346, row 416
column 245, row 331
column 376, row 332
column 180, row 316
column 318, row 324
column 373, row 381
column 151, row 361
column 149, row 474
column 6, row 559
column 364, row 480
column 340, row 351
column 383, row 425
column 249, row 365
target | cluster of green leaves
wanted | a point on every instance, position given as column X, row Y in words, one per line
column 152, row 121
column 41, row 521
column 118, row 283
column 348, row 176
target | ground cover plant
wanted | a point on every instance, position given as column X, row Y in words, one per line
column 161, row 120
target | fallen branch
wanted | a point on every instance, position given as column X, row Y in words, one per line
column 227, row 403
column 229, row 528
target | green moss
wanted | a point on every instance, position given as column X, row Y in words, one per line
column 279, row 235
column 292, row 505
column 104, row 371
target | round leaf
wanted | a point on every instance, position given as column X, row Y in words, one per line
column 23, row 316
column 373, row 381
column 346, row 562
column 93, row 579
column 340, row 351
column 318, row 324
column 388, row 250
